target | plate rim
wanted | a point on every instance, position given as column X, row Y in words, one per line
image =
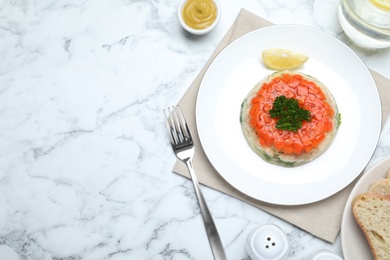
column 361, row 186
column 363, row 67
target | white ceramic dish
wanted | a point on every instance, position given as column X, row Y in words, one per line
column 195, row 31
column 354, row 244
column 233, row 74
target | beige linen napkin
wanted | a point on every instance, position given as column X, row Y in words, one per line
column 323, row 218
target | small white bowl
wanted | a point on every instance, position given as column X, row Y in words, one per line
column 198, row 31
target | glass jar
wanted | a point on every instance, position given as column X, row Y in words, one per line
column 366, row 22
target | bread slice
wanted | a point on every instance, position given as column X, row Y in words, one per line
column 372, row 213
column 381, row 186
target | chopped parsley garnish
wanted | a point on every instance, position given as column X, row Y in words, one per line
column 289, row 114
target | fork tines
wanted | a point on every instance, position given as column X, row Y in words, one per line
column 177, row 125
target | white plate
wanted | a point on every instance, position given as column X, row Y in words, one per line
column 354, row 244
column 236, row 70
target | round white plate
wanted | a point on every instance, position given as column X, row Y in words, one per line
column 236, row 70
column 353, row 241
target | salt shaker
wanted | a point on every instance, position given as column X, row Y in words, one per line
column 267, row 242
column 323, row 255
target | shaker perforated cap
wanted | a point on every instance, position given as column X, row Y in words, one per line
column 267, row 242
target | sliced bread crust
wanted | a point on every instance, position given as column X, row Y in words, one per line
column 372, row 213
column 380, row 186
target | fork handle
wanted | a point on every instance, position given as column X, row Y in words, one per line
column 211, row 229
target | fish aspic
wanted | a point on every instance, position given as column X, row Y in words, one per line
column 289, row 118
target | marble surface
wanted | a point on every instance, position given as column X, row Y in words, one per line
column 85, row 161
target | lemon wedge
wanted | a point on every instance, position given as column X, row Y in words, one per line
column 384, row 4
column 282, row 59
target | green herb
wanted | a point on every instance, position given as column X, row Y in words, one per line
column 289, row 114
column 338, row 119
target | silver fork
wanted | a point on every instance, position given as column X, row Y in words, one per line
column 183, row 147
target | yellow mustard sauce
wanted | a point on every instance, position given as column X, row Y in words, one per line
column 199, row 14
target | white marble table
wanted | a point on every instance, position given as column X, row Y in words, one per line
column 85, row 162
